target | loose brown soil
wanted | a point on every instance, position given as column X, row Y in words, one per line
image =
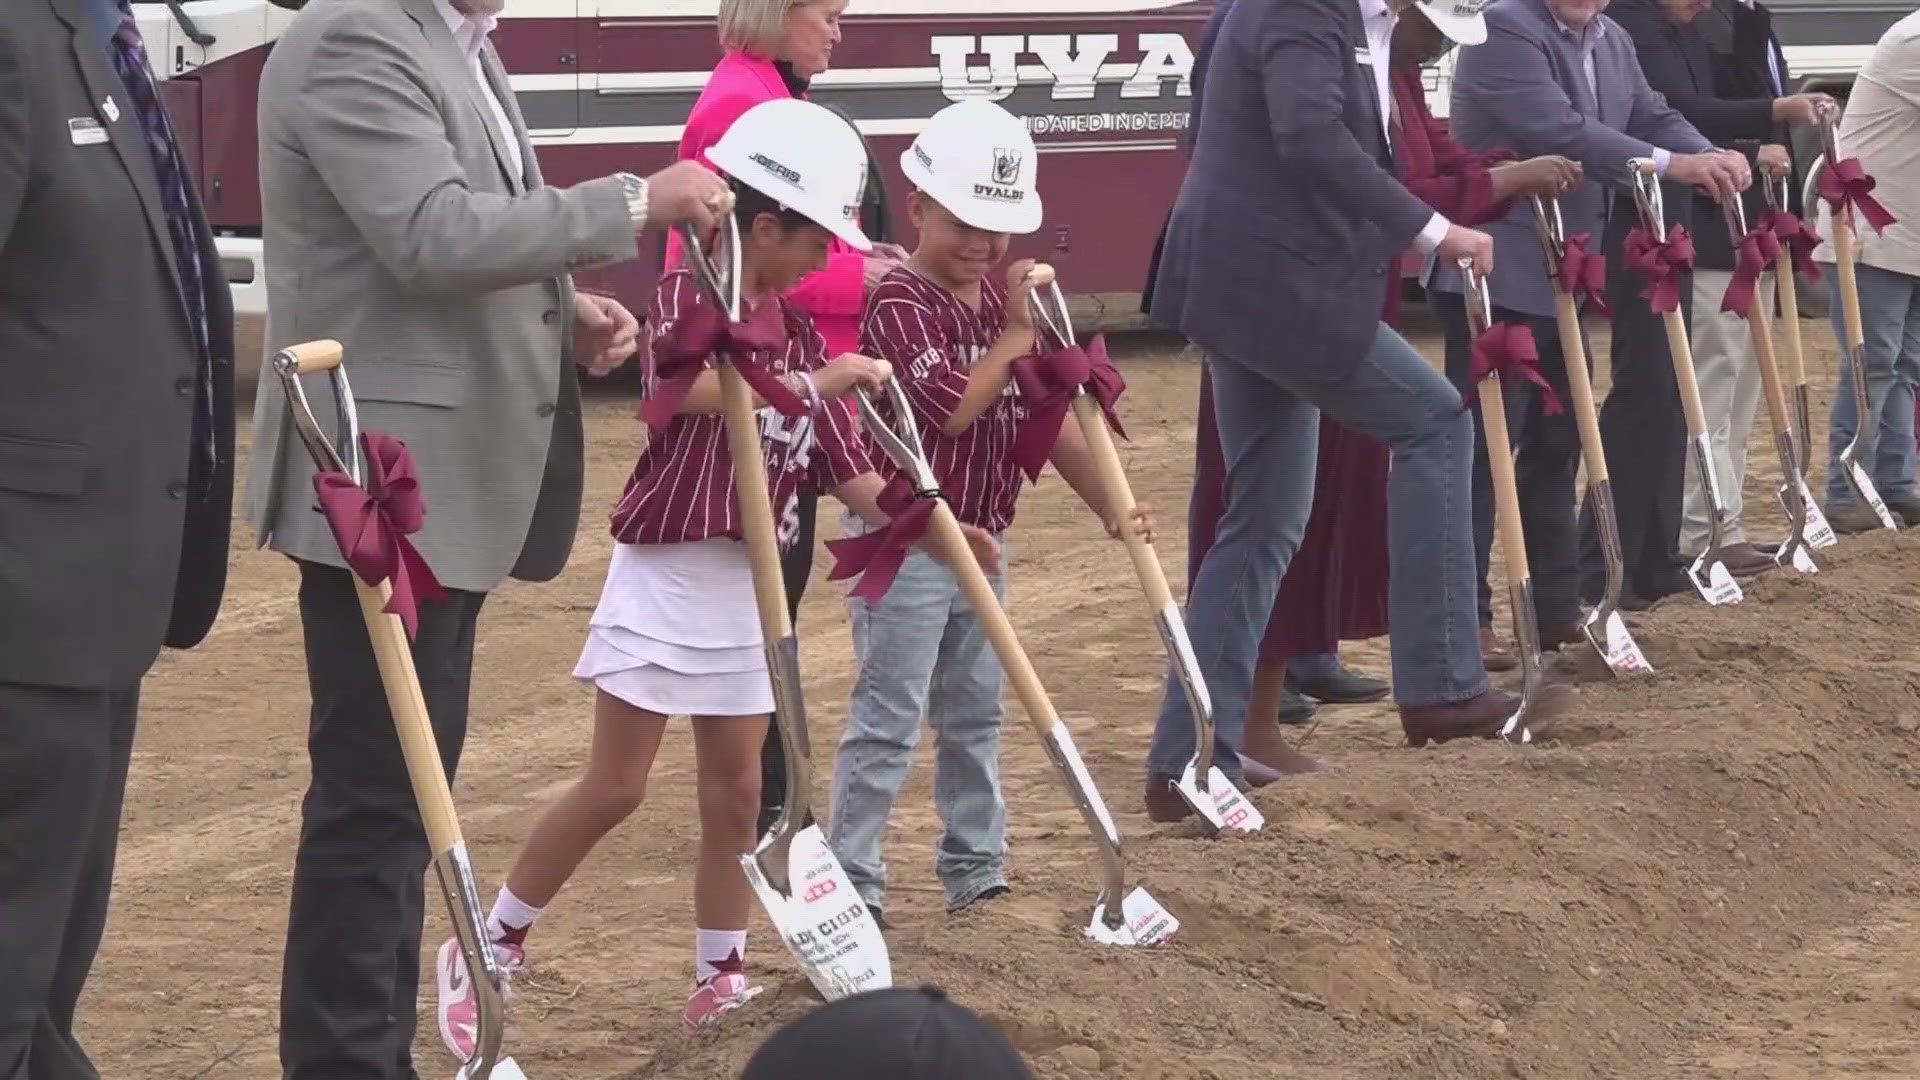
column 1707, row 874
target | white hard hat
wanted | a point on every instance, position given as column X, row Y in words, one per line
column 977, row 160
column 803, row 157
column 1465, row 21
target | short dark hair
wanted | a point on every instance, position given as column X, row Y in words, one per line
column 750, row 203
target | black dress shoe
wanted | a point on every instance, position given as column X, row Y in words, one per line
column 1294, row 707
column 1343, row 687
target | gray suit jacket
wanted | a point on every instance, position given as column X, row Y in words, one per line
column 113, row 538
column 1526, row 89
column 1277, row 250
column 393, row 223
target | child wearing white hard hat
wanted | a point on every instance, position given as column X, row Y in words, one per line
column 952, row 331
column 676, row 631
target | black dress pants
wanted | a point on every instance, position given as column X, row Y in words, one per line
column 1642, row 428
column 1547, row 459
column 351, row 972
column 63, row 772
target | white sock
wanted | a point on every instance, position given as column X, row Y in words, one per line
column 715, row 951
column 511, row 917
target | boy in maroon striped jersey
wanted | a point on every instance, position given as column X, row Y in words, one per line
column 952, row 334
column 676, row 632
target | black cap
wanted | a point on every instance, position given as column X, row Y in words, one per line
column 901, row 1033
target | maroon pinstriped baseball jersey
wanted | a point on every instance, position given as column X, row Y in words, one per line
column 933, row 340
column 682, row 487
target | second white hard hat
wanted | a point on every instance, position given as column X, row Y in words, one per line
column 978, row 160
column 804, row 157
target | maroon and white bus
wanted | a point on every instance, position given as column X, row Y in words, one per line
column 606, row 84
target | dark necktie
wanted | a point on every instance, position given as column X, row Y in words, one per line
column 130, row 62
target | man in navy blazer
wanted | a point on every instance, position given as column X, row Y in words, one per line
column 1274, row 265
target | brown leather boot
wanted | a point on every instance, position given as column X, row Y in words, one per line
column 1493, row 655
column 1476, row 718
column 1164, row 804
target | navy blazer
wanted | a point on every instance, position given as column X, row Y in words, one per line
column 1680, row 62
column 1277, row 251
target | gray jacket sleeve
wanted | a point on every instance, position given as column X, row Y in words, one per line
column 372, row 130
column 1304, row 61
column 1510, row 82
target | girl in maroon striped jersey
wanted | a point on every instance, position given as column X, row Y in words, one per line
column 676, row 632
column 953, row 335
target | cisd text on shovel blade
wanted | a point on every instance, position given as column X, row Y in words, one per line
column 825, row 924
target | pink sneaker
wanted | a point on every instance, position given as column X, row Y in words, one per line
column 459, row 1010
column 717, row 997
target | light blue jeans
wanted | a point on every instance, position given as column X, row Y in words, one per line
column 921, row 652
column 1269, row 436
column 1890, row 321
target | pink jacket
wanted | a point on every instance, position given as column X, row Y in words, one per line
column 835, row 296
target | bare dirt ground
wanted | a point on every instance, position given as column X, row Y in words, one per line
column 1709, row 874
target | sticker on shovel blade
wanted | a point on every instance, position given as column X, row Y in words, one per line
column 1623, row 653
column 1803, row 562
column 504, row 1069
column 1864, row 485
column 1818, row 532
column 1143, row 922
column 1720, row 588
column 1222, row 804
column 826, row 925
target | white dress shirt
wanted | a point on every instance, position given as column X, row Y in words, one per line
column 1378, row 20
column 470, row 33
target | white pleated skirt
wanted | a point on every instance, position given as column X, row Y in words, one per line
column 677, row 632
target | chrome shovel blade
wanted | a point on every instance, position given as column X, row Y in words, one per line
column 462, row 894
column 1605, row 630
column 1207, row 790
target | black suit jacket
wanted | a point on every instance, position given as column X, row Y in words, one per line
column 106, row 550
column 1743, row 41
column 1681, row 63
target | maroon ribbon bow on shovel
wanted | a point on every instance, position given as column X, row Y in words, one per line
column 1508, row 350
column 1583, row 273
column 681, row 354
column 371, row 525
column 1661, row 263
column 1753, row 256
column 1047, row 384
column 877, row 556
column 1795, row 237
column 1846, row 183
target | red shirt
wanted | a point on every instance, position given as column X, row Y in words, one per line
column 933, row 340
column 682, row 488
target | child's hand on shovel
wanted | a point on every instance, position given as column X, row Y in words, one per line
column 1142, row 518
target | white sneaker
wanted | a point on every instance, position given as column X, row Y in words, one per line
column 459, row 1007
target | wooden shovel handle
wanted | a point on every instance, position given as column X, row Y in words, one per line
column 411, row 721
column 1580, row 384
column 1843, row 241
column 313, row 356
column 993, row 619
column 1506, row 490
column 1789, row 293
column 1759, row 318
column 756, row 508
column 1682, row 351
column 1113, row 479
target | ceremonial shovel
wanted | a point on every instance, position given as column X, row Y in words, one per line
column 1818, row 533
column 1604, row 627
column 800, row 883
column 1709, row 572
column 1843, row 254
column 409, row 708
column 1201, row 783
column 1506, row 496
column 1794, row 551
column 1120, row 917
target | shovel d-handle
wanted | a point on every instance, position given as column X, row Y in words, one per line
column 412, row 724
column 1038, row 706
column 776, row 628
